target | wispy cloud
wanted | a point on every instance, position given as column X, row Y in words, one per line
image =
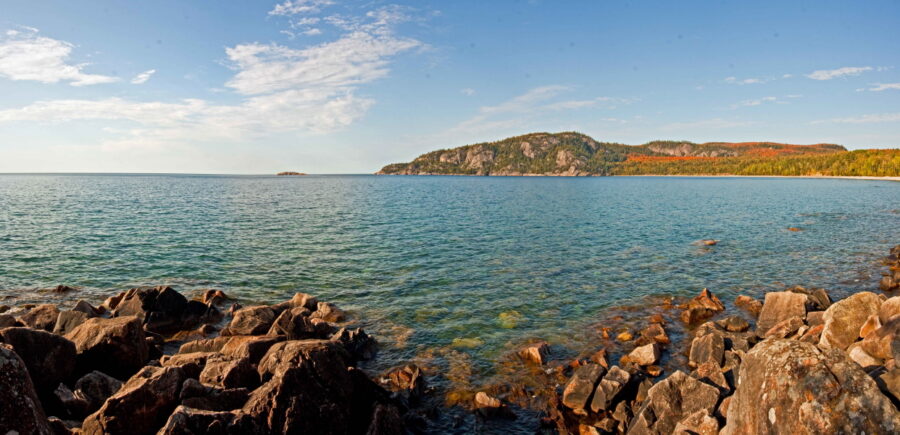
column 25, row 55
column 750, row 81
column 878, row 87
column 467, row 92
column 862, row 119
column 847, row 71
column 296, row 7
column 755, row 102
column 143, row 77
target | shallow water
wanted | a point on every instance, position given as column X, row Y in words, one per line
column 475, row 264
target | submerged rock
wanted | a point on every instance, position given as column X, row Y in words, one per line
column 788, row 386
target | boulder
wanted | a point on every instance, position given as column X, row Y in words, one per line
column 229, row 372
column 20, row 410
column 250, row 347
column 115, row 346
column 698, row 423
column 163, row 310
column 748, row 304
column 95, row 387
column 361, row 346
column 186, row 420
column 815, row 318
column 701, row 307
column 581, row 386
column 780, row 306
column 255, row 320
column 329, row 312
column 711, row 373
column 817, row 299
column 86, row 308
column 303, row 300
column 889, row 382
column 645, row 355
column 733, row 324
column 609, row 387
column 671, row 401
column 844, row 318
column 655, row 333
column 870, row 325
column 709, row 347
column 407, row 381
column 535, row 353
column 141, row 406
column 199, row 396
column 41, row 317
column 49, row 358
column 191, row 363
column 6, row 321
column 68, row 320
column 889, row 309
column 788, row 386
column 294, row 324
column 785, row 328
column 74, row 404
column 487, row 406
column 879, row 343
column 204, row 345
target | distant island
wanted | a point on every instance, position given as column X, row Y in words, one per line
column 290, row 173
column 576, row 154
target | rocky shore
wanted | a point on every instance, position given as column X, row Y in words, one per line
column 150, row 360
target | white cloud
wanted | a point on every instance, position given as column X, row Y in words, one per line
column 28, row 56
column 878, row 87
column 756, row 102
column 467, row 92
column 143, row 77
column 863, row 119
column 295, row 7
column 787, row 76
column 751, row 81
column 847, row 71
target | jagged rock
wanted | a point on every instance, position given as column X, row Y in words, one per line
column 815, row 318
column 622, row 414
column 186, row 420
column 645, row 355
column 654, row 333
column 487, row 405
column 86, row 308
column 329, row 312
column 785, row 328
column 254, row 320
column 386, row 419
column 609, row 387
column 303, row 300
column 878, row 343
column 710, row 347
column 817, row 299
column 214, row 297
column 296, row 324
column 844, row 318
column 199, row 396
column 75, row 405
column 861, row 357
column 711, row 373
column 229, row 372
column 600, row 357
column 141, row 406
column 6, row 320
column 360, row 345
column 50, row 359
column 581, row 386
column 204, row 345
column 870, row 325
column 95, row 387
column 192, row 364
column 535, row 353
column 733, row 324
column 59, row 427
column 250, row 347
column 698, row 423
column 780, row 306
column 889, row 309
column 672, row 400
column 813, row 334
column 41, row 317
column 701, row 307
column 68, row 320
column 889, row 382
column 407, row 380
column 164, row 310
column 749, row 304
column 115, row 346
column 20, row 410
column 788, row 386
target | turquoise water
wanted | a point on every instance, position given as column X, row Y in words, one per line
column 424, row 261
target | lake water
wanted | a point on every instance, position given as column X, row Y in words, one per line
column 473, row 264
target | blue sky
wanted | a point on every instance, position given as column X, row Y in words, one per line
column 333, row 86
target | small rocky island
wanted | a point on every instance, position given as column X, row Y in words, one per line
column 150, row 360
column 289, row 173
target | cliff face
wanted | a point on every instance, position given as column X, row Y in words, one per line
column 574, row 154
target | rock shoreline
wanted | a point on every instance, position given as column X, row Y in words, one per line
column 150, row 360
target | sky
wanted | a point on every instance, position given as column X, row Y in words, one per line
column 336, row 86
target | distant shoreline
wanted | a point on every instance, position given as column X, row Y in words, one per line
column 848, row 177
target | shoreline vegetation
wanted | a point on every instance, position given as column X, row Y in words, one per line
column 575, row 154
column 149, row 360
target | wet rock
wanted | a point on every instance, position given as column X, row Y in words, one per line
column 229, row 372
column 655, row 333
column 49, row 358
column 600, row 357
column 785, row 328
column 645, row 355
column 163, row 310
column 361, row 346
column 749, row 304
column 710, row 347
column 780, row 306
column 20, row 410
column 733, row 324
column 653, row 370
column 63, row 289
column 115, row 346
column 701, row 307
column 624, row 336
column 889, row 309
column 698, row 423
column 535, row 353
column 41, row 317
column 329, row 312
column 487, row 406
column 609, row 387
column 672, row 400
column 254, row 320
column 817, row 299
column 141, row 406
column 788, row 386
column 844, row 318
column 68, row 320
column 214, row 297
column 95, row 387
column 408, row 381
column 581, row 386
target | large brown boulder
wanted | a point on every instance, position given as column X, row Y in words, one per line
column 68, row 320
column 95, row 387
column 701, row 307
column 229, row 372
column 844, row 318
column 163, row 310
column 114, row 346
column 780, row 306
column 41, row 317
column 607, row 391
column 581, row 386
column 361, row 346
column 254, row 320
column 671, row 401
column 20, row 409
column 186, row 420
column 49, row 358
column 141, row 406
column 788, row 386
